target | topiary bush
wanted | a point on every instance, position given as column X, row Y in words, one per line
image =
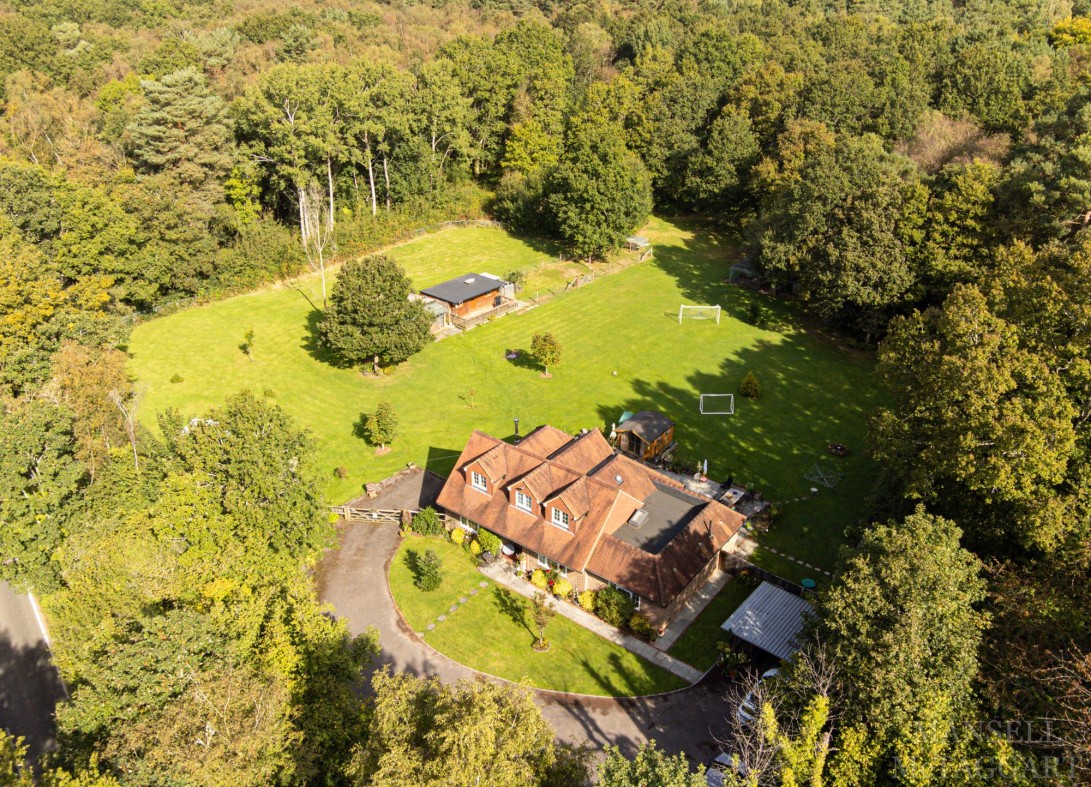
column 490, row 542
column 177, row 378
column 642, row 627
column 587, row 600
column 539, row 579
column 562, row 588
column 458, row 535
column 427, row 523
column 750, row 387
column 613, row 606
column 475, row 547
column 429, row 576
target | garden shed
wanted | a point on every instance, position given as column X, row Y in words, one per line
column 644, row 435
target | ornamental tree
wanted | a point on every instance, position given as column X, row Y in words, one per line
column 546, row 350
column 382, row 425
column 370, row 316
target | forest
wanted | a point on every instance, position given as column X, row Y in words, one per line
column 916, row 175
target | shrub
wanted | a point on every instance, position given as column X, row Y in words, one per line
column 427, row 523
column 642, row 627
column 268, row 393
column 341, row 472
column 475, row 547
column 490, row 542
column 613, row 606
column 587, row 600
column 458, row 535
column 562, row 588
column 428, row 576
column 539, row 579
column 177, row 378
column 750, row 387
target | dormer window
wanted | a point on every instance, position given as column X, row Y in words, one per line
column 523, row 501
column 477, row 481
column 560, row 518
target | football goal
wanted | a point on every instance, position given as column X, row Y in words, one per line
column 698, row 313
column 717, row 404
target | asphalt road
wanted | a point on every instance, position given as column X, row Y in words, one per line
column 30, row 686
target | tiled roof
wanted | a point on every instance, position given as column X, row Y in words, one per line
column 582, row 473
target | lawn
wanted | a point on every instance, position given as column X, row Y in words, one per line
column 697, row 645
column 623, row 349
column 491, row 632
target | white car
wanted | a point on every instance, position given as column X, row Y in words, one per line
column 748, row 711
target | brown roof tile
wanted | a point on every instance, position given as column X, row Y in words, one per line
column 599, row 503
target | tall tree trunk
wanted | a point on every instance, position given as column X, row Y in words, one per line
column 386, row 176
column 329, row 182
column 371, row 184
column 303, row 216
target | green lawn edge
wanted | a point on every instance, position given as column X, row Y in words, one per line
column 482, row 633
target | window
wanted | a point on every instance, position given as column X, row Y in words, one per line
column 629, row 593
column 560, row 518
column 523, row 502
column 543, row 561
column 478, row 481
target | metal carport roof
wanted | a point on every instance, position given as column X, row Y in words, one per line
column 769, row 619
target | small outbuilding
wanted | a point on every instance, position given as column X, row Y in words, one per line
column 466, row 300
column 644, row 435
column 770, row 619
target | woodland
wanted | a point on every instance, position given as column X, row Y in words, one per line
column 916, row 175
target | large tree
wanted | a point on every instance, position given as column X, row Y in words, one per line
column 846, row 232
column 370, row 316
column 978, row 425
column 600, row 192
column 184, row 129
column 900, row 622
column 425, row 732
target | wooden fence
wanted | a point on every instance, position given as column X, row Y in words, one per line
column 735, row 564
column 377, row 515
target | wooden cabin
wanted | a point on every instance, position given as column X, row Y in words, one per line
column 645, row 435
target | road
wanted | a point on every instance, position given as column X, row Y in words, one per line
column 30, row 686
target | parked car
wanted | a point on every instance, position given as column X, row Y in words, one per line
column 714, row 776
column 748, row 710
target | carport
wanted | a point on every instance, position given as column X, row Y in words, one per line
column 770, row 619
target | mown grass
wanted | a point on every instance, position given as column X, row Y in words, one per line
column 697, row 645
column 492, row 631
column 623, row 349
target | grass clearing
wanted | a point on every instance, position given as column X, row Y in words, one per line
column 623, row 349
column 492, row 633
column 697, row 645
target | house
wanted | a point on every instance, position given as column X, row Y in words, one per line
column 469, row 300
column 596, row 516
column 645, row 435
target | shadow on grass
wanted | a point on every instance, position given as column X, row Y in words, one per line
column 413, row 563
column 521, row 359
column 315, row 343
column 513, row 607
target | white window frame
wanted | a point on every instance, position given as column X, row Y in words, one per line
column 474, row 475
column 521, row 495
column 543, row 561
column 635, row 597
column 560, row 518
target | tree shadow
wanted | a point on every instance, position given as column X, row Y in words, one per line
column 413, row 563
column 315, row 343
column 513, row 607
column 30, row 689
column 521, row 359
